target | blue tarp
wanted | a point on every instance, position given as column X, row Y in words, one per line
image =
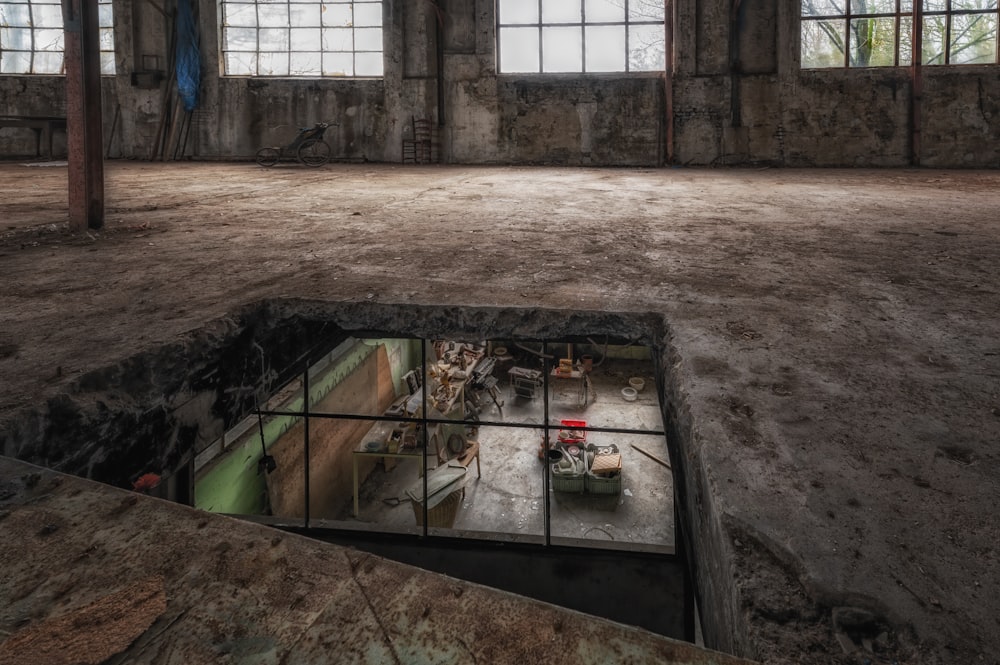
column 188, row 55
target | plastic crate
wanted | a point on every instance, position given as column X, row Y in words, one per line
column 567, row 483
column 603, row 484
column 572, row 432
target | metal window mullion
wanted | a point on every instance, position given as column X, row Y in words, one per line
column 947, row 32
column 628, row 37
column 541, row 65
column 31, row 31
column 583, row 36
column 847, row 33
column 256, row 9
column 288, row 26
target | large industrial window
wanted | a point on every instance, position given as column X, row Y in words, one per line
column 31, row 37
column 580, row 36
column 302, row 38
column 879, row 33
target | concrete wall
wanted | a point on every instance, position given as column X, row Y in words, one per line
column 737, row 99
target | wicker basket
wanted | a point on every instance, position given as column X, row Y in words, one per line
column 443, row 514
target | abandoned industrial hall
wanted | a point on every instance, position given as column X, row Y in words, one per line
column 500, row 331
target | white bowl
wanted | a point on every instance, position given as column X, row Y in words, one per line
column 629, row 394
column 637, row 383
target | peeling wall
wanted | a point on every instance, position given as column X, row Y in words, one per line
column 739, row 97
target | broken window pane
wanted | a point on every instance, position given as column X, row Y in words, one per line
column 240, row 15
column 822, row 43
column 305, row 64
column 49, row 40
column 107, row 63
column 241, row 64
column 273, row 64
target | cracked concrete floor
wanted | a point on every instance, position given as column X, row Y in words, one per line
column 835, row 330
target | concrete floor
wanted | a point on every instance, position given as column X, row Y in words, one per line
column 507, row 503
column 831, row 349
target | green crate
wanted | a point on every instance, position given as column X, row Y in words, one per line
column 567, row 483
column 603, row 484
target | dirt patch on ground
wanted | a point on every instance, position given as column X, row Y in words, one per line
column 836, row 330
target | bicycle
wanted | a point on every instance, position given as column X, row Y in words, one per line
column 308, row 147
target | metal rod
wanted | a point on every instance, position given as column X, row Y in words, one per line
column 424, row 428
column 547, row 517
column 305, row 429
column 668, row 82
column 916, row 81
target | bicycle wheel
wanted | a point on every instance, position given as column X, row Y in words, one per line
column 268, row 156
column 313, row 152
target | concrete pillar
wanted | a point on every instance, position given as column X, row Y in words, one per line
column 85, row 141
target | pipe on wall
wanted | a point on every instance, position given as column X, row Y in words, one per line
column 668, row 78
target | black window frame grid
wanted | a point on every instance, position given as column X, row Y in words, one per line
column 108, row 63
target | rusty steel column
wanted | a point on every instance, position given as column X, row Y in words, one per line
column 83, row 115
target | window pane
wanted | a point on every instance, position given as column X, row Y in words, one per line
column 105, row 16
column 241, row 64
column 645, row 10
column 107, row 36
column 605, row 48
column 973, row 4
column 560, row 11
column 933, row 41
column 16, row 38
column 562, row 50
column 15, row 62
column 973, row 39
column 368, row 14
column 305, row 64
column 273, row 39
column 48, row 63
column 306, row 39
column 873, row 42
column 47, row 16
column 823, row 7
column 862, row 7
column 519, row 11
column 368, row 64
column 14, row 15
column 368, row 39
column 600, row 11
column 935, row 5
column 107, row 64
column 273, row 16
column 905, row 41
column 305, row 15
column 338, row 39
column 240, row 15
column 49, row 40
column 519, row 50
column 338, row 64
column 822, row 43
column 338, row 16
column 273, row 64
column 645, row 48
column 240, row 39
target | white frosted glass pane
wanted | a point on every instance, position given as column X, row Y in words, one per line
column 241, row 64
column 605, row 48
column 305, row 15
column 338, row 15
column 368, row 64
column 273, row 39
column 15, row 15
column 338, row 39
column 518, row 11
column 49, row 40
column 107, row 36
column 518, row 50
column 645, row 48
column 48, row 63
column 15, row 62
column 48, row 16
column 240, row 15
column 306, row 39
column 107, row 64
column 338, row 64
column 273, row 64
column 273, row 16
column 105, row 16
column 240, row 39
column 16, row 38
column 605, row 11
column 306, row 64
column 368, row 39
column 368, row 13
column 560, row 11
column 562, row 50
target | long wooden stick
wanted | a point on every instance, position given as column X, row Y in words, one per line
column 651, row 456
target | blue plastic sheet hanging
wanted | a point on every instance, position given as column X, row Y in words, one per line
column 188, row 55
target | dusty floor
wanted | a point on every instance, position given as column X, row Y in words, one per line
column 836, row 332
